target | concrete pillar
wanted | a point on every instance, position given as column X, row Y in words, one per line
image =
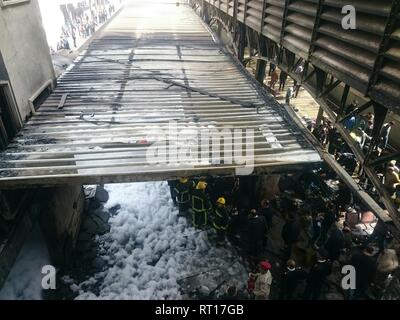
column 60, row 220
column 260, row 70
column 15, row 226
column 268, row 186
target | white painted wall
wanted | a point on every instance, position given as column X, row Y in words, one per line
column 25, row 51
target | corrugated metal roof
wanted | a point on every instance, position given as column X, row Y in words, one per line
column 154, row 66
column 366, row 58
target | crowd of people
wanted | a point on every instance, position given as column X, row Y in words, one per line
column 282, row 77
column 361, row 128
column 83, row 24
column 318, row 231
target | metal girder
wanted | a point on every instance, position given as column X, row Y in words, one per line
column 315, row 27
column 385, row 159
column 380, row 113
column 343, row 102
column 339, row 170
column 372, row 175
column 329, row 88
column 261, row 64
column 364, row 107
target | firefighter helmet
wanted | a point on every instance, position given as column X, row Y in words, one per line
column 221, row 200
column 201, row 185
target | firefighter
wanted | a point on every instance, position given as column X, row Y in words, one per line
column 182, row 193
column 221, row 220
column 201, row 205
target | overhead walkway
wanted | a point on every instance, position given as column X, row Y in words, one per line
column 155, row 69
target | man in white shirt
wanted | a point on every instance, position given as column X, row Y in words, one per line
column 289, row 94
column 262, row 286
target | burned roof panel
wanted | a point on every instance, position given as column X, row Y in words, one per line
column 149, row 88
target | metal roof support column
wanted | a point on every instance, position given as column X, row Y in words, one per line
column 261, row 64
column 242, row 41
column 343, row 102
column 380, row 116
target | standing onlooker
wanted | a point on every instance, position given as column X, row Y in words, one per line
column 267, row 212
column 335, row 243
column 317, row 276
column 272, row 67
column 289, row 95
column 291, row 279
column 262, row 285
column 379, row 234
column 351, row 107
column 282, row 80
column 391, row 180
column 257, row 231
column 393, row 164
column 369, row 127
column 73, row 38
column 290, row 235
column 299, row 71
column 365, row 267
column 385, row 134
column 387, row 263
column 274, row 79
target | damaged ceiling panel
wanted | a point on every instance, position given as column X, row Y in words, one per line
column 141, row 96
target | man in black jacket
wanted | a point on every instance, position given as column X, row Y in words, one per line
column 172, row 184
column 257, row 230
column 380, row 232
column 335, row 243
column 317, row 276
column 365, row 267
column 282, row 80
column 291, row 279
column 328, row 220
column 267, row 212
column 290, row 235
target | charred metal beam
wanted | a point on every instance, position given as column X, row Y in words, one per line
column 365, row 106
column 261, row 64
column 308, row 77
column 386, row 159
column 242, row 41
column 364, row 197
column 321, row 80
column 330, row 88
column 343, row 102
column 380, row 113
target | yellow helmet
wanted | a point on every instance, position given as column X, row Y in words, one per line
column 202, row 185
column 183, row 180
column 221, row 200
